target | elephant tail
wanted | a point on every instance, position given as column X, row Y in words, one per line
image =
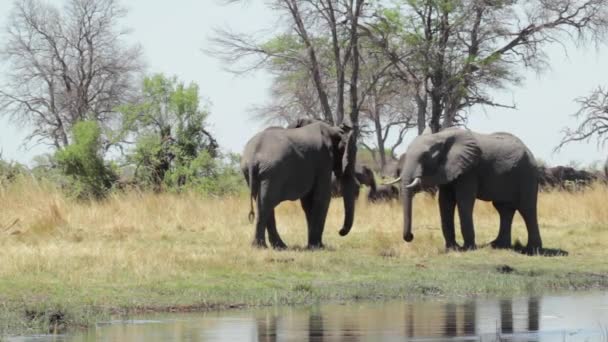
column 253, row 186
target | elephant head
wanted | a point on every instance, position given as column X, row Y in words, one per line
column 432, row 160
column 345, row 150
column 365, row 176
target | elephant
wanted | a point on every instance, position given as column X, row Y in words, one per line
column 565, row 178
column 546, row 180
column 466, row 166
column 297, row 163
column 305, row 122
column 383, row 192
column 364, row 176
column 395, row 172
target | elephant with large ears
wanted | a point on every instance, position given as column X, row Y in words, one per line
column 297, row 163
column 466, row 166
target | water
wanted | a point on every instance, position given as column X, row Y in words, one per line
column 579, row 317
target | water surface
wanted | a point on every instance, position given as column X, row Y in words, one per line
column 579, row 317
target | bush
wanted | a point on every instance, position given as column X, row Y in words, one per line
column 207, row 175
column 82, row 163
column 10, row 171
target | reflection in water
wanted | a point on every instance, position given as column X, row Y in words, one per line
column 506, row 316
column 315, row 326
column 521, row 319
column 470, row 318
column 533, row 313
column 451, row 322
column 267, row 328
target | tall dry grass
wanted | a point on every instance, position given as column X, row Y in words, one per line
column 173, row 249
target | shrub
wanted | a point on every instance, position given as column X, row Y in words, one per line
column 82, row 163
column 10, row 171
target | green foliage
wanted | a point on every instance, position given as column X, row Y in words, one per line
column 207, row 175
column 83, row 164
column 173, row 149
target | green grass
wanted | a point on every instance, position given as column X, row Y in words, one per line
column 67, row 265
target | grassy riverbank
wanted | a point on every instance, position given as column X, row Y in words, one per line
column 71, row 264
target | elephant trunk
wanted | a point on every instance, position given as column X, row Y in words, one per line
column 349, row 190
column 408, row 196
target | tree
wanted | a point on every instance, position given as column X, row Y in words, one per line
column 82, row 162
column 65, row 66
column 454, row 52
column 593, row 119
column 168, row 126
column 331, row 63
column 387, row 104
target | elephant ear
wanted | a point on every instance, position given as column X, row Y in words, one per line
column 462, row 153
column 349, row 157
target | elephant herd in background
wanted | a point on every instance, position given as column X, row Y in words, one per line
column 568, row 178
column 365, row 176
column 312, row 161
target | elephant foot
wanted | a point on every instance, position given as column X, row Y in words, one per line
column 453, row 247
column 457, row 248
column 259, row 244
column 469, row 247
column 500, row 244
column 278, row 245
column 314, row 246
column 532, row 250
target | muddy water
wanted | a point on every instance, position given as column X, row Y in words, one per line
column 579, row 317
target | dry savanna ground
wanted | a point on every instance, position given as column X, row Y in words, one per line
column 139, row 251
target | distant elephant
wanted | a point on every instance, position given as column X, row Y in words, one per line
column 546, row 180
column 569, row 178
column 606, row 169
column 392, row 168
column 364, row 176
column 291, row 164
column 383, row 193
column 465, row 165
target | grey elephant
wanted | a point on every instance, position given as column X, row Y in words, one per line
column 297, row 163
column 394, row 171
column 466, row 166
column 565, row 178
column 383, row 193
column 364, row 176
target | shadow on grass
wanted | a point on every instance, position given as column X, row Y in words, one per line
column 298, row 248
column 546, row 252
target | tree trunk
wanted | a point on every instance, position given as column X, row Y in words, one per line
column 421, row 114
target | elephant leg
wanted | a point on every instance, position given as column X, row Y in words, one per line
column 535, row 243
column 447, row 204
column 465, row 199
column 506, row 212
column 273, row 234
column 307, row 205
column 320, row 205
column 265, row 208
column 261, row 220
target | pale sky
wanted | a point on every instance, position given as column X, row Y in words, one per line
column 173, row 34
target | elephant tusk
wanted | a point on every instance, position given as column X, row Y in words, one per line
column 393, row 181
column 415, row 183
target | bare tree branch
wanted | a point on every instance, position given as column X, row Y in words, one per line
column 593, row 120
column 67, row 66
